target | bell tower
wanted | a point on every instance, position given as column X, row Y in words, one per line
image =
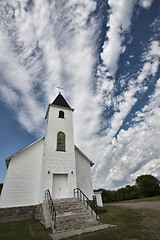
column 59, row 151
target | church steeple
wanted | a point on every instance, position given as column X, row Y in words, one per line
column 60, row 101
column 59, row 150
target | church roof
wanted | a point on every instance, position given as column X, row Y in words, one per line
column 21, row 150
column 60, row 101
column 91, row 163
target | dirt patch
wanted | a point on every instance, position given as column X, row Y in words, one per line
column 150, row 205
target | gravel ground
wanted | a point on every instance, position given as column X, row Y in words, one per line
column 151, row 205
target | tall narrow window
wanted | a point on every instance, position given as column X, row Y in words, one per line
column 60, row 141
column 61, row 114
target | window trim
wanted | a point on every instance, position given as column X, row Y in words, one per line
column 61, row 114
column 61, row 142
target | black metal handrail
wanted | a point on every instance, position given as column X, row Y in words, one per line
column 51, row 207
column 78, row 193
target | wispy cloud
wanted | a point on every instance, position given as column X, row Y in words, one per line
column 133, row 148
column 136, row 150
column 119, row 23
column 45, row 44
column 145, row 3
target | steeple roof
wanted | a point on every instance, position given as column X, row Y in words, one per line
column 60, row 101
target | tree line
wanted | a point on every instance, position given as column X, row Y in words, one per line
column 145, row 186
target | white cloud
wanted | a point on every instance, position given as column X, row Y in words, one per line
column 151, row 61
column 123, row 156
column 55, row 43
column 64, row 45
column 119, row 23
column 136, row 150
column 145, row 3
column 17, row 87
column 13, row 97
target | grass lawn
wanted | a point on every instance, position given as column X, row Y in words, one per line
column 23, row 230
column 132, row 224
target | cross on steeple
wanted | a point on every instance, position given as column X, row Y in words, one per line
column 60, row 89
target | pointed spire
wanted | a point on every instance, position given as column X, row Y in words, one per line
column 60, row 101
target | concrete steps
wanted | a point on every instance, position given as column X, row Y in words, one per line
column 72, row 214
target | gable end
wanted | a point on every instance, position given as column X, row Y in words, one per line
column 15, row 154
column 77, row 149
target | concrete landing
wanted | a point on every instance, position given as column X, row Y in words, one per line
column 58, row 236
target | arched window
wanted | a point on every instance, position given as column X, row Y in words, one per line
column 60, row 141
column 61, row 114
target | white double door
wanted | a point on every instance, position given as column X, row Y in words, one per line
column 60, row 186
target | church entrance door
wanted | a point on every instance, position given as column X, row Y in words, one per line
column 60, row 186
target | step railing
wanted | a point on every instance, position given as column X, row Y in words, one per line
column 49, row 200
column 79, row 194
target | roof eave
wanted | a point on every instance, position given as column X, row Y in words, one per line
column 71, row 109
column 91, row 163
column 21, row 150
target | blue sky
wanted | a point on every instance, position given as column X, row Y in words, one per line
column 105, row 55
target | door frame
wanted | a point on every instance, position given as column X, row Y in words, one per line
column 67, row 187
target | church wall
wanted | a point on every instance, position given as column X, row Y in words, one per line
column 23, row 178
column 84, row 179
column 59, row 162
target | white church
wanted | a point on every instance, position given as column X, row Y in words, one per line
column 52, row 162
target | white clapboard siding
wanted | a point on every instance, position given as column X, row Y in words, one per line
column 83, row 170
column 23, row 180
column 59, row 162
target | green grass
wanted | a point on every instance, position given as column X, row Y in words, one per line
column 141, row 224
column 23, row 230
column 132, row 224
